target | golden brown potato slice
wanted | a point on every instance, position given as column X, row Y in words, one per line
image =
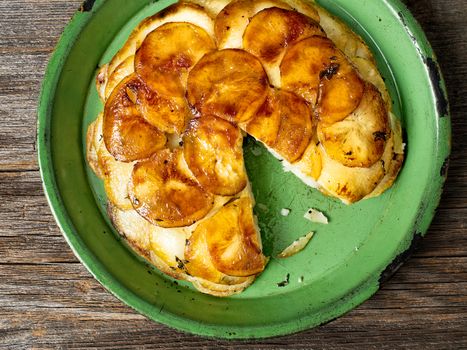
column 284, row 123
column 178, row 12
column 230, row 84
column 359, row 139
column 205, row 276
column 350, row 184
column 272, row 30
column 213, row 151
column 232, row 241
column 302, row 64
column 168, row 114
column 162, row 193
column 316, row 62
column 264, row 126
column 295, row 129
column 355, row 48
column 127, row 135
column 339, row 94
column 233, row 18
column 168, row 53
column 199, row 262
column 232, row 21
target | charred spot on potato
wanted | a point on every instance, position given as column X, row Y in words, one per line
column 380, row 135
column 330, row 71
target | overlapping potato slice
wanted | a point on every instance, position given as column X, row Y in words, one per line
column 213, row 151
column 235, row 250
column 127, row 135
column 165, row 248
column 168, row 53
column 178, row 12
column 284, row 123
column 200, row 264
column 232, row 21
column 133, row 227
column 392, row 169
column 315, row 63
column 169, row 245
column 123, row 70
column 229, row 286
column 232, row 241
column 116, row 177
column 309, row 166
column 351, row 184
column 167, row 114
column 341, row 91
column 230, row 84
column 271, row 31
column 264, row 126
column 94, row 139
column 359, row 139
column 391, row 172
column 164, row 194
column 302, row 65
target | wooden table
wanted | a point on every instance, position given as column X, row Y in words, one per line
column 49, row 300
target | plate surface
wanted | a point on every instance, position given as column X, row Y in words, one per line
column 345, row 262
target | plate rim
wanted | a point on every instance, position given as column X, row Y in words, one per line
column 99, row 271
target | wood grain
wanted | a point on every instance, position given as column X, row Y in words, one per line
column 49, row 300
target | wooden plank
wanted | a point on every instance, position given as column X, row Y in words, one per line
column 30, row 29
column 61, row 305
column 49, row 300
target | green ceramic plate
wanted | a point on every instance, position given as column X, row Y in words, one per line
column 346, row 260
